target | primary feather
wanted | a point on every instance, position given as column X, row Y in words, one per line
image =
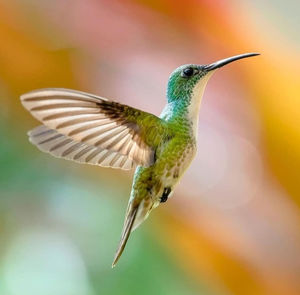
column 61, row 146
column 96, row 122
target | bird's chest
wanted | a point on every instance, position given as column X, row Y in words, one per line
column 179, row 159
column 159, row 180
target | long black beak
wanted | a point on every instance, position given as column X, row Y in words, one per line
column 228, row 60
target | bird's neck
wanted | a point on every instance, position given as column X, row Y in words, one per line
column 185, row 110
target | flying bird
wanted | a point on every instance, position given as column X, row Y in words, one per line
column 91, row 129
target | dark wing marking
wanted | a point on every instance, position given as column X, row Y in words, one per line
column 98, row 122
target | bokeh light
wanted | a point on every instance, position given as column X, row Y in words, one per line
column 232, row 225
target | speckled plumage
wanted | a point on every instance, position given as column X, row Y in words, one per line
column 90, row 129
column 175, row 152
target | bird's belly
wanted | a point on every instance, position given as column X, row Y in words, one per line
column 161, row 178
column 174, row 167
column 152, row 183
column 174, row 172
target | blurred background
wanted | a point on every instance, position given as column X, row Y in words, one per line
column 233, row 225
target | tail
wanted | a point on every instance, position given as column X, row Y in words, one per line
column 136, row 213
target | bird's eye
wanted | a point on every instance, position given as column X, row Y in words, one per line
column 188, row 72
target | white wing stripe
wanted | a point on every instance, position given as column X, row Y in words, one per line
column 87, row 126
column 115, row 139
column 72, row 149
column 59, row 145
column 92, row 120
column 60, row 106
column 87, row 118
column 108, row 135
column 81, row 153
column 49, row 93
column 52, row 115
column 48, row 139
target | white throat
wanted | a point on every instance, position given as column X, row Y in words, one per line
column 194, row 107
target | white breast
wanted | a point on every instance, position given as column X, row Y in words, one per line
column 193, row 109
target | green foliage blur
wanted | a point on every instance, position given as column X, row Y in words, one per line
column 232, row 226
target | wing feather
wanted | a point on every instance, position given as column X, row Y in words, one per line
column 80, row 117
column 59, row 145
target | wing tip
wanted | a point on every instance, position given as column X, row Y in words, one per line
column 22, row 97
column 58, row 91
column 30, row 94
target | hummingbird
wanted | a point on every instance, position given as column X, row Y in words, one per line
column 87, row 128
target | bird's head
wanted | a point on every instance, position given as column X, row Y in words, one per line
column 190, row 80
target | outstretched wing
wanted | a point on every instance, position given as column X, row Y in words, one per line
column 97, row 123
column 61, row 146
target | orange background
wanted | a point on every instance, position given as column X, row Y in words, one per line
column 232, row 226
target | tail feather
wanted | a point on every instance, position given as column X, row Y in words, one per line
column 137, row 211
column 127, row 228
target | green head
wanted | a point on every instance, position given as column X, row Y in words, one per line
column 189, row 81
